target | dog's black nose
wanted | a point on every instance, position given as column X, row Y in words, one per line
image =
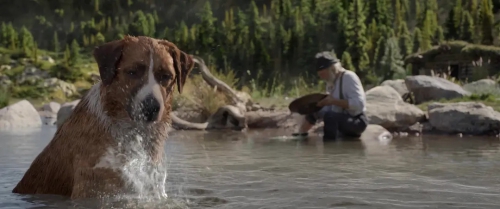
column 150, row 108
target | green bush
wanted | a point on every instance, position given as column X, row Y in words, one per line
column 29, row 92
column 4, row 97
column 481, row 97
column 14, row 72
column 4, row 60
column 19, row 54
column 66, row 73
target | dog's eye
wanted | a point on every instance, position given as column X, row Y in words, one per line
column 132, row 72
column 165, row 77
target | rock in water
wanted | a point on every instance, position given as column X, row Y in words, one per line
column 427, row 88
column 65, row 111
column 19, row 115
column 463, row 117
column 376, row 133
column 385, row 107
column 52, row 107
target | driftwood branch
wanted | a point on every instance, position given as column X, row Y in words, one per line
column 236, row 97
column 234, row 116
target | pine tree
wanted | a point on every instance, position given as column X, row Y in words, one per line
column 346, row 61
column 487, row 21
column 405, row 42
column 99, row 38
column 66, row 56
column 438, row 36
column 11, row 37
column 467, row 28
column 140, row 25
column 4, row 37
column 34, row 54
column 356, row 37
column 373, row 35
column 207, row 30
column 26, row 41
column 74, row 53
column 428, row 30
column 55, row 42
column 417, row 40
column 391, row 63
column 151, row 25
column 454, row 21
column 398, row 14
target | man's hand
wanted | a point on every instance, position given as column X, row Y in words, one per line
column 328, row 100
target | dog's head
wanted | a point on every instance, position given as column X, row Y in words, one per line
column 139, row 75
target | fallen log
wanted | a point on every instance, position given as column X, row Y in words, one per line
column 238, row 99
column 234, row 115
column 229, row 117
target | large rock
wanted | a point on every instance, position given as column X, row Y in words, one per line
column 54, row 84
column 482, row 86
column 399, row 85
column 5, row 82
column 65, row 111
column 19, row 115
column 385, row 107
column 52, row 107
column 32, row 75
column 48, row 113
column 428, row 88
column 48, row 59
column 464, row 117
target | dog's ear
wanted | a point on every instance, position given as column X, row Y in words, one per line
column 186, row 64
column 107, row 57
column 183, row 63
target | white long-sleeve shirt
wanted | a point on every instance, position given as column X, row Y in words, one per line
column 353, row 92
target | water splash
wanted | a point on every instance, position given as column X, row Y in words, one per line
column 146, row 179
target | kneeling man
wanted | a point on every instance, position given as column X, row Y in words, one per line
column 343, row 110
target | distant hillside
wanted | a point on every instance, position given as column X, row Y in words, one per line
column 261, row 41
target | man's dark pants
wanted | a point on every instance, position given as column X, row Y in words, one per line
column 344, row 123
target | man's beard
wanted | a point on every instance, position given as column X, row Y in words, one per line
column 331, row 77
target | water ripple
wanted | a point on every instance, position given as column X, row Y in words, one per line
column 244, row 170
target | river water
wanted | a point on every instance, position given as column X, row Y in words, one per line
column 249, row 170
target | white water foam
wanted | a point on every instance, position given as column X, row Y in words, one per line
column 146, row 178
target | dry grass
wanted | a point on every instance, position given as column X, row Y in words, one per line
column 486, row 99
column 199, row 96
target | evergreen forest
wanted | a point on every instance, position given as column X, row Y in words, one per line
column 261, row 42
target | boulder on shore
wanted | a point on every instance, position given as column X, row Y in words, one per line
column 483, row 86
column 52, row 107
column 19, row 115
column 399, row 85
column 473, row 118
column 385, row 107
column 427, row 88
column 65, row 111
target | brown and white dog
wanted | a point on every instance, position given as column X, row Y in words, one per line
column 131, row 104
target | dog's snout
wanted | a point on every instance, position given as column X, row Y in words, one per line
column 150, row 108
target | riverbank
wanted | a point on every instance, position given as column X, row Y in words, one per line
column 46, row 90
column 450, row 110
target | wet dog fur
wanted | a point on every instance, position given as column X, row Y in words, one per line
column 133, row 98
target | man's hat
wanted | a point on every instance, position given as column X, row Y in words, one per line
column 307, row 104
column 325, row 59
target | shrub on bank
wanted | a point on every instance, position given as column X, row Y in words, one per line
column 4, row 97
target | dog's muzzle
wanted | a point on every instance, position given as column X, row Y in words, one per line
column 150, row 108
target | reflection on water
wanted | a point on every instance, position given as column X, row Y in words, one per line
column 249, row 170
